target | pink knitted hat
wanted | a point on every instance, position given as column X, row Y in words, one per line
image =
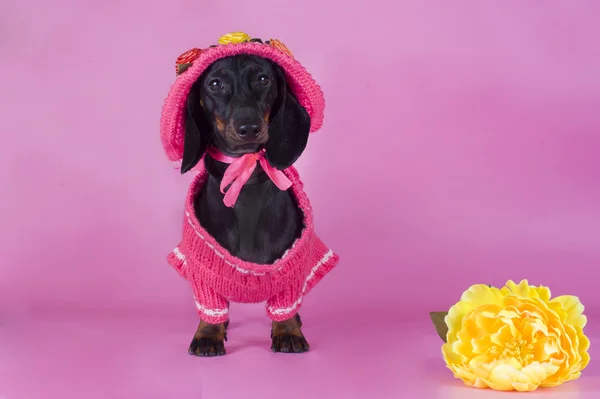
column 191, row 65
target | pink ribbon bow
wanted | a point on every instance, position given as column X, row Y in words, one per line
column 240, row 170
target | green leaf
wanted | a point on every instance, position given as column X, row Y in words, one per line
column 440, row 325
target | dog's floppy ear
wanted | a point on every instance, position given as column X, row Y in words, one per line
column 289, row 127
column 197, row 131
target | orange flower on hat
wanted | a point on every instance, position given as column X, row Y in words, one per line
column 187, row 58
column 278, row 44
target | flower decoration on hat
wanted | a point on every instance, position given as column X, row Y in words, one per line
column 278, row 44
column 185, row 60
column 234, row 38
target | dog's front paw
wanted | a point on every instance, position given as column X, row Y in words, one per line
column 209, row 340
column 288, row 343
column 287, row 336
column 207, row 347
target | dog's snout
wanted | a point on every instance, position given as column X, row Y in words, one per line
column 248, row 131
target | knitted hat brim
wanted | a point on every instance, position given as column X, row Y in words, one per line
column 300, row 82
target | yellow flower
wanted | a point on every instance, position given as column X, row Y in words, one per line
column 234, row 38
column 515, row 338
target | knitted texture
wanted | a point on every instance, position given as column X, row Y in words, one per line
column 217, row 277
column 300, row 82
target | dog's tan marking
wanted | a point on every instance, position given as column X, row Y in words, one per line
column 209, row 340
column 214, row 331
column 220, row 124
column 287, row 336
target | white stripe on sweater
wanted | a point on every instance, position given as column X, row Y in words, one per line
column 236, row 267
column 206, row 311
column 311, row 275
column 178, row 254
column 211, row 312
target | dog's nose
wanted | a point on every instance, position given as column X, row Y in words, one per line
column 248, row 132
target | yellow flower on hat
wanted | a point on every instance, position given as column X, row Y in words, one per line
column 515, row 338
column 234, row 38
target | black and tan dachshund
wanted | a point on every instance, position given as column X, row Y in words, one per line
column 242, row 104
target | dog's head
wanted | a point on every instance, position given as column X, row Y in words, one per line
column 241, row 104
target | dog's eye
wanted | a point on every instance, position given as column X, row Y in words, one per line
column 215, row 85
column 263, row 80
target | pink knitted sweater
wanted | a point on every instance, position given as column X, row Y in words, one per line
column 217, row 277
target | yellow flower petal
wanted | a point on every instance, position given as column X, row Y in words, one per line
column 481, row 294
column 234, row 38
column 525, row 290
column 574, row 309
column 524, row 386
column 455, row 317
column 584, row 344
column 450, row 356
column 502, row 377
column 539, row 372
column 480, row 383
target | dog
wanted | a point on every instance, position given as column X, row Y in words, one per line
column 242, row 104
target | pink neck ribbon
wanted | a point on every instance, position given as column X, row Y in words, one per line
column 239, row 171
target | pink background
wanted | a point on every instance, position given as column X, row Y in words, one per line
column 460, row 146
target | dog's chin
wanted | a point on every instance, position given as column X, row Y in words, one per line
column 248, row 148
column 238, row 148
